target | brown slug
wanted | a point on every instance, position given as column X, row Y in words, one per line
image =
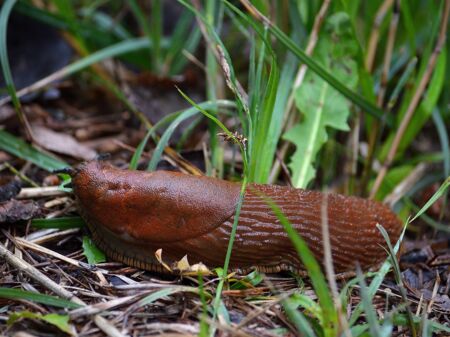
column 133, row 213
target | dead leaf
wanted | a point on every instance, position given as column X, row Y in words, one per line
column 15, row 210
column 62, row 143
column 9, row 190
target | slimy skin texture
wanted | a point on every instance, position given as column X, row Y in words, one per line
column 133, row 213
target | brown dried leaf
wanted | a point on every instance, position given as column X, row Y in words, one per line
column 15, row 210
column 62, row 143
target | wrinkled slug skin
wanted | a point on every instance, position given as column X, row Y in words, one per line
column 132, row 214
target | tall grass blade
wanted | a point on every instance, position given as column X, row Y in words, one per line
column 180, row 118
column 329, row 314
column 21, row 149
column 10, row 87
column 19, row 294
column 60, row 223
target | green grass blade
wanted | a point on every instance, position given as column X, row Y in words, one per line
column 156, row 33
column 60, row 223
column 366, row 300
column 59, row 321
column 144, row 25
column 330, row 320
column 120, row 48
column 398, row 277
column 242, row 103
column 150, row 133
column 402, row 320
column 106, row 23
column 19, row 294
column 100, row 55
column 433, row 199
column 376, row 281
column 22, row 149
column 301, row 323
column 180, row 118
column 4, row 16
column 166, row 292
column 184, row 37
column 217, row 299
column 260, row 158
column 443, row 138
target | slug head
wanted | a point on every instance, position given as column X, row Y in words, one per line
column 156, row 206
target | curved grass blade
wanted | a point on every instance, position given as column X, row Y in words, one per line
column 169, row 291
column 329, row 314
column 19, row 294
column 398, row 277
column 180, row 118
column 443, row 138
column 366, row 301
column 377, row 280
column 301, row 323
column 22, row 149
column 433, row 199
column 120, row 48
column 150, row 133
column 4, row 16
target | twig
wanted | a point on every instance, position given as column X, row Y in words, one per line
column 434, row 293
column 39, row 277
column 49, row 235
column 39, row 192
column 36, row 247
column 414, row 101
column 388, row 53
column 107, row 327
column 405, row 185
column 20, row 175
column 102, row 306
column 36, row 275
column 375, row 34
column 375, row 129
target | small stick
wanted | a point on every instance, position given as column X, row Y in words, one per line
column 37, row 275
column 39, row 192
column 405, row 185
column 375, row 34
column 48, row 283
column 36, row 247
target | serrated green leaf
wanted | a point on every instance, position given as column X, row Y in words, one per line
column 91, row 251
column 321, row 105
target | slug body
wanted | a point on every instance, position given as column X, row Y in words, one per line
column 132, row 214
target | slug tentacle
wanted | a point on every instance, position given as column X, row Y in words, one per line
column 132, row 214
